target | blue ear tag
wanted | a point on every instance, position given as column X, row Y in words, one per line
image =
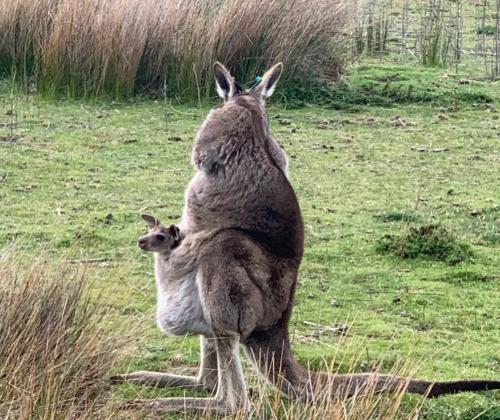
column 258, row 79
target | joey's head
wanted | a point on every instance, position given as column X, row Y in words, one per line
column 253, row 98
column 159, row 239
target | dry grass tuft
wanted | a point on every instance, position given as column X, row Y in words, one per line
column 54, row 360
column 90, row 47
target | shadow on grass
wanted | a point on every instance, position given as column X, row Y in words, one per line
column 397, row 216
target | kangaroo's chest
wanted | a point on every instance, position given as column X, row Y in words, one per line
column 179, row 306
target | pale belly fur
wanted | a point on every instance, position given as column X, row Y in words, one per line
column 179, row 307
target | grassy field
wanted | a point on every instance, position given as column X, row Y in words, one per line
column 394, row 148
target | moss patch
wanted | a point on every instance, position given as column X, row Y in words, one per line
column 429, row 241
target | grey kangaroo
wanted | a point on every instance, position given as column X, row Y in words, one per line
column 238, row 261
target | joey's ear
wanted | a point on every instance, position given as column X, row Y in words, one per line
column 269, row 81
column 224, row 82
column 175, row 232
column 151, row 220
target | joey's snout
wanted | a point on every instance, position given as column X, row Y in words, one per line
column 143, row 243
column 161, row 241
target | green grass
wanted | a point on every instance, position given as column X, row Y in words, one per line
column 393, row 85
column 76, row 176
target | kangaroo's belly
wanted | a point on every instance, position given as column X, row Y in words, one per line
column 180, row 310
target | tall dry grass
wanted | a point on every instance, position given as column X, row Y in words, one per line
column 54, row 359
column 90, row 47
column 366, row 405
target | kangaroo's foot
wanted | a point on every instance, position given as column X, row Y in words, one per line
column 206, row 380
column 183, row 405
column 166, row 380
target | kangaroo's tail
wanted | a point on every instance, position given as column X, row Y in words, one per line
column 270, row 352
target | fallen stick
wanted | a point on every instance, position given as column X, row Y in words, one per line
column 88, row 260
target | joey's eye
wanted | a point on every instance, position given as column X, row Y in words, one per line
column 160, row 237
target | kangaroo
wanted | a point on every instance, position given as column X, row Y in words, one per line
column 242, row 203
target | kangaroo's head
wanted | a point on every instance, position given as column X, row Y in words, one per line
column 159, row 239
column 253, row 98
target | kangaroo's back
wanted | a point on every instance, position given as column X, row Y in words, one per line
column 239, row 183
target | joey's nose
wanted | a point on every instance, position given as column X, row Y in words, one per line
column 142, row 243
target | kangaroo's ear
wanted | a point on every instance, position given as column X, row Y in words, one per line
column 151, row 220
column 224, row 82
column 175, row 232
column 269, row 81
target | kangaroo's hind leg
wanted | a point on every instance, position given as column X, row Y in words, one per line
column 205, row 381
column 231, row 395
